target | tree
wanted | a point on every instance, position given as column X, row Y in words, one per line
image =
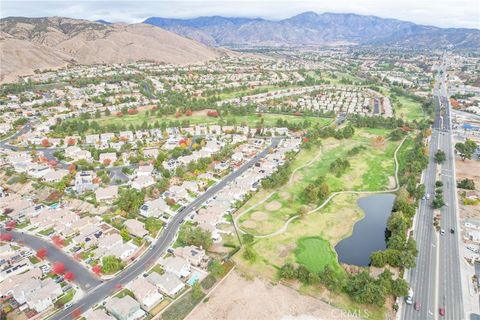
column 302, row 212
column 69, row 276
column 57, row 240
column 111, row 264
column 7, row 237
column 215, row 268
column 130, row 200
column 45, row 143
column 197, row 293
column 97, row 269
column 247, row 238
column 249, row 254
column 58, row 268
column 466, row 150
column 440, row 156
column 42, row 253
column 399, row 287
column 192, row 235
column 287, row 271
column 468, row 184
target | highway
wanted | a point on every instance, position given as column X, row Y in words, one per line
column 435, row 280
column 450, row 287
column 422, row 278
column 156, row 250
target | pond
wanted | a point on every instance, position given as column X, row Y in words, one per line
column 369, row 233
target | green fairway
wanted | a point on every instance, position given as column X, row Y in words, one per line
column 315, row 254
column 409, row 109
column 142, row 118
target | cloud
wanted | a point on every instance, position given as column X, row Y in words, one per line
column 443, row 13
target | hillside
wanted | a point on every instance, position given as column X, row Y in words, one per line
column 37, row 43
column 310, row 28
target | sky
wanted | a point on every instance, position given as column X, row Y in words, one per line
column 441, row 13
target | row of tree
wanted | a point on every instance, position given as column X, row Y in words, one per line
column 361, row 287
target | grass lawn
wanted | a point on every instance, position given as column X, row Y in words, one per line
column 66, row 298
column 402, row 152
column 201, row 118
column 333, row 223
column 315, row 254
column 409, row 110
column 370, row 170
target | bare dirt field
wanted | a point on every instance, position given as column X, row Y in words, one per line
column 468, row 169
column 239, row 299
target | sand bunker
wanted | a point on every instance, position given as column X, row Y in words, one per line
column 259, row 216
column 273, row 206
column 285, row 195
column 249, row 224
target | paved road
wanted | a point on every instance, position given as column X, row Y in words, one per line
column 449, row 278
column 422, row 278
column 83, row 277
column 436, row 279
column 163, row 242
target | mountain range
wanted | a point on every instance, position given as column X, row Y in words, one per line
column 27, row 44
column 312, row 29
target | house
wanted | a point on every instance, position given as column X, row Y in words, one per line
column 151, row 153
column 135, row 228
column 168, row 283
column 92, row 139
column 106, row 194
column 177, row 193
column 144, row 171
column 97, row 314
column 109, row 156
column 154, row 208
column 143, row 182
column 84, row 181
column 125, row 308
column 194, row 255
column 106, row 137
column 113, row 245
column 55, row 176
column 145, row 292
column 42, row 298
column 177, row 266
column 237, row 156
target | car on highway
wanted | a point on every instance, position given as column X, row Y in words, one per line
column 428, row 196
column 409, row 299
column 417, row 306
column 441, row 311
column 442, row 232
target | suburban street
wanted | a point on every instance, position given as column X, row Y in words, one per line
column 436, row 279
column 158, row 248
column 85, row 279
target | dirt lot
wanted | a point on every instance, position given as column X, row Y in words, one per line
column 239, row 299
column 468, row 169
